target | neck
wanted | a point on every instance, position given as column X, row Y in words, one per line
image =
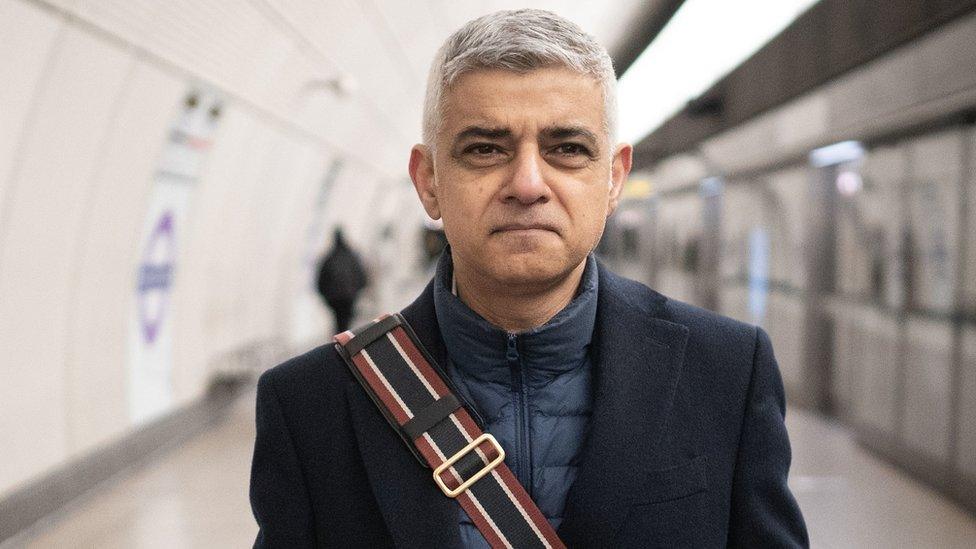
column 515, row 308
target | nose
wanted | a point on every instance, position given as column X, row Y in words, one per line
column 527, row 184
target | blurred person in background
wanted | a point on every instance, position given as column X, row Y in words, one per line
column 341, row 277
column 627, row 419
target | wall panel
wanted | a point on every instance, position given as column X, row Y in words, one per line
column 966, row 449
column 271, row 200
column 934, row 218
column 927, row 379
column 680, row 224
column 108, row 247
column 784, row 205
column 205, row 283
column 63, row 149
column 849, row 341
column 886, row 171
column 234, row 245
column 265, row 199
column 969, row 235
column 877, row 366
column 27, row 37
column 305, row 173
column 783, row 323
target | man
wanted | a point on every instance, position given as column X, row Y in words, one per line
column 631, row 420
column 340, row 279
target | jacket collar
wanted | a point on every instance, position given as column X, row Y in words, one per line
column 638, row 357
column 480, row 349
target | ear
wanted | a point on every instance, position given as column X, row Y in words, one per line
column 619, row 170
column 422, row 173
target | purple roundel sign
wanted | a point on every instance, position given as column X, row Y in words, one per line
column 156, row 277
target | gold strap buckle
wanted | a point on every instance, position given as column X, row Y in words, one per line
column 477, row 476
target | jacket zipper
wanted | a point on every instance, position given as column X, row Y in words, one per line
column 520, row 397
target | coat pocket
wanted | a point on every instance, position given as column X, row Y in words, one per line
column 669, row 510
column 676, row 482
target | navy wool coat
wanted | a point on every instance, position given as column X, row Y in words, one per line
column 687, row 445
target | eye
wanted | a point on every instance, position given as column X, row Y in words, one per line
column 572, row 149
column 483, row 149
column 483, row 155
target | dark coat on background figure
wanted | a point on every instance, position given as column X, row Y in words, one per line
column 341, row 277
column 687, row 446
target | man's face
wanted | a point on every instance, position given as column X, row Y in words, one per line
column 523, row 174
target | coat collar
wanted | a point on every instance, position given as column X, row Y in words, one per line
column 636, row 373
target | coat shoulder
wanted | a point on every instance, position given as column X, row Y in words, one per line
column 318, row 375
column 719, row 346
column 704, row 327
column 709, row 327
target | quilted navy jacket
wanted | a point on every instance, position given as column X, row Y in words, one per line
column 686, row 444
column 533, row 389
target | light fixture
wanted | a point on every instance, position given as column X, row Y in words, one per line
column 704, row 41
column 342, row 85
column 838, row 153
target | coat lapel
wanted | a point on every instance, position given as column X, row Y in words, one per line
column 638, row 359
column 416, row 512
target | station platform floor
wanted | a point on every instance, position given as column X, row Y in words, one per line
column 196, row 496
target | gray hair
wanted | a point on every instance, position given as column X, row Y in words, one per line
column 520, row 41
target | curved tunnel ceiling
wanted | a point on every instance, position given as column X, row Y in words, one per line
column 349, row 73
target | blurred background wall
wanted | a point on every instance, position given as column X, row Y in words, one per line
column 170, row 176
column 166, row 187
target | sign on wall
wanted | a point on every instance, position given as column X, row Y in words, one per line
column 150, row 379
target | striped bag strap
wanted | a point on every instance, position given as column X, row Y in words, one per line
column 411, row 391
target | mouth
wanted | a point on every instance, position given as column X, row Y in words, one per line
column 524, row 227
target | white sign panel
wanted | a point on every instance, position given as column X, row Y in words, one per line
column 150, row 382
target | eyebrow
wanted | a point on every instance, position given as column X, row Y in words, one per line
column 483, row 132
column 567, row 132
